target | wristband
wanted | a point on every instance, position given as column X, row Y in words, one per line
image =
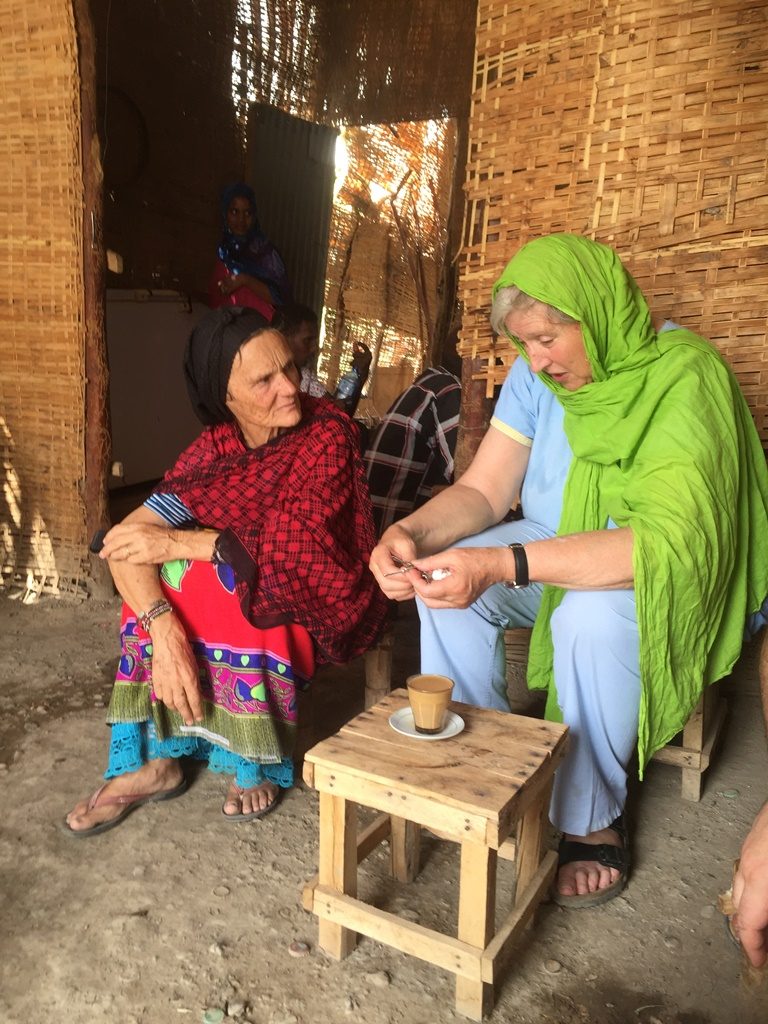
column 154, row 611
column 216, row 556
column 522, row 578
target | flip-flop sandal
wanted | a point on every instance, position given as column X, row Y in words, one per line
column 254, row 814
column 609, row 856
column 130, row 801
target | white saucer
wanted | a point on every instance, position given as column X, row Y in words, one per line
column 402, row 722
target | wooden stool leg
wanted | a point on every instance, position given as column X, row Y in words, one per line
column 530, row 839
column 405, row 848
column 477, row 922
column 378, row 669
column 338, row 867
column 694, row 734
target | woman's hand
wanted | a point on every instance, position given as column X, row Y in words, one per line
column 140, row 544
column 395, row 548
column 230, row 284
column 175, row 675
column 234, row 281
column 458, row 576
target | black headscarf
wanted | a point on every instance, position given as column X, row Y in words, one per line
column 211, row 350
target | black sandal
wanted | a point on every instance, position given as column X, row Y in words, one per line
column 609, row 856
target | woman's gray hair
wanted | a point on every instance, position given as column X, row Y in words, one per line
column 513, row 300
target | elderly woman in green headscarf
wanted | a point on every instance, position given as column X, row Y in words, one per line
column 643, row 551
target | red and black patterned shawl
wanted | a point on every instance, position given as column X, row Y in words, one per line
column 297, row 528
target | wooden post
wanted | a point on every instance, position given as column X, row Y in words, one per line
column 405, row 849
column 530, row 836
column 694, row 734
column 378, row 668
column 477, row 909
column 338, row 867
column 97, row 435
column 474, row 417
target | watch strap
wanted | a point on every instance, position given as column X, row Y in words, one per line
column 522, row 578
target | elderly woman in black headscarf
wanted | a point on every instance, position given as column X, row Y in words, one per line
column 249, row 270
column 245, row 567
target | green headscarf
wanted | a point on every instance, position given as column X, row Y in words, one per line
column 664, row 443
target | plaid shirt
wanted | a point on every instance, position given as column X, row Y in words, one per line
column 412, row 449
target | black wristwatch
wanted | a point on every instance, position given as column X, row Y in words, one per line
column 521, row 579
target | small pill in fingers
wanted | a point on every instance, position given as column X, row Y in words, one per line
column 440, row 574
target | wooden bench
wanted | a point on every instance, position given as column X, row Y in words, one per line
column 487, row 789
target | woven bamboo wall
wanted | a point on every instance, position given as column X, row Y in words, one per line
column 387, row 246
column 642, row 124
column 402, row 60
column 42, row 521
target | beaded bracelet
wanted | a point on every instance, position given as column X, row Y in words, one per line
column 153, row 612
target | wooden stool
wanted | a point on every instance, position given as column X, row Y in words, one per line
column 698, row 738
column 702, row 731
column 481, row 788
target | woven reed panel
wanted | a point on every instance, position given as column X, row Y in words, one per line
column 387, row 245
column 42, row 522
column 403, row 60
column 642, row 124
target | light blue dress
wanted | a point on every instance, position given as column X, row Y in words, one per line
column 594, row 632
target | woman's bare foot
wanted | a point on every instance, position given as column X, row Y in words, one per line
column 153, row 777
column 580, row 877
column 249, row 801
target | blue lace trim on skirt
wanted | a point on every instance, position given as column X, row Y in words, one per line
column 132, row 744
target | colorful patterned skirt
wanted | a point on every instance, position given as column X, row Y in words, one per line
column 248, row 677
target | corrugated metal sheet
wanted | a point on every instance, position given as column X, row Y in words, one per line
column 292, row 170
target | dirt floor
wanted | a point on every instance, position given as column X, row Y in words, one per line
column 178, row 912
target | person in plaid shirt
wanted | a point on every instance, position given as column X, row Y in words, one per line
column 412, row 449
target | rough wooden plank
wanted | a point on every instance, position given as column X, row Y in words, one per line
column 508, row 849
column 530, row 836
column 431, row 811
column 498, row 952
column 378, row 669
column 367, row 841
column 405, row 849
column 477, row 908
column 419, row 774
column 441, row 950
column 692, row 780
column 479, row 731
column 338, row 867
column 493, row 744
